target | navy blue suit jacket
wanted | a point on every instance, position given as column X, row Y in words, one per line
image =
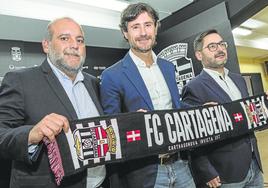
column 123, row 90
column 229, row 159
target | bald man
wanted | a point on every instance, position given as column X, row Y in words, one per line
column 39, row 102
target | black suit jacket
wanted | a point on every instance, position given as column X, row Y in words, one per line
column 230, row 159
column 26, row 96
column 5, row 171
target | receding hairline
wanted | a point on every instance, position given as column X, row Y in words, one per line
column 49, row 32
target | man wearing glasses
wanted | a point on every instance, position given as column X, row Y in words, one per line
column 231, row 163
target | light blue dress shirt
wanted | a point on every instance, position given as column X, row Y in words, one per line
column 84, row 108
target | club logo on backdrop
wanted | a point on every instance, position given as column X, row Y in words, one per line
column 177, row 54
column 16, row 53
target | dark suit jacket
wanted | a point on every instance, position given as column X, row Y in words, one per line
column 5, row 172
column 27, row 96
column 123, row 90
column 229, row 159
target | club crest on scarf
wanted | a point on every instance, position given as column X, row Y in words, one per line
column 94, row 141
column 122, row 137
column 256, row 111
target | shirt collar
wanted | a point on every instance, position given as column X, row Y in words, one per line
column 216, row 73
column 139, row 62
column 62, row 76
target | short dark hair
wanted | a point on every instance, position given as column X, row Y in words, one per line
column 198, row 42
column 133, row 11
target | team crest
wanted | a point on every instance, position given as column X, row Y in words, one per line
column 177, row 54
column 256, row 111
column 16, row 53
column 253, row 113
column 94, row 142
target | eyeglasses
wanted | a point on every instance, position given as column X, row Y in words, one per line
column 214, row 46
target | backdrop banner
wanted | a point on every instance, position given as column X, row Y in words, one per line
column 114, row 138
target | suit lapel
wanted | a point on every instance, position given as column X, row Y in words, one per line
column 169, row 78
column 58, row 89
column 214, row 86
column 239, row 85
column 132, row 73
column 92, row 94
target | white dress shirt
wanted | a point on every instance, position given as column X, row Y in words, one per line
column 154, row 82
column 226, row 83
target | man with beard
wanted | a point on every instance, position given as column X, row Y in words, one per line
column 231, row 163
column 141, row 81
column 38, row 102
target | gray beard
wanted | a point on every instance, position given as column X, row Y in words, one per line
column 63, row 66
